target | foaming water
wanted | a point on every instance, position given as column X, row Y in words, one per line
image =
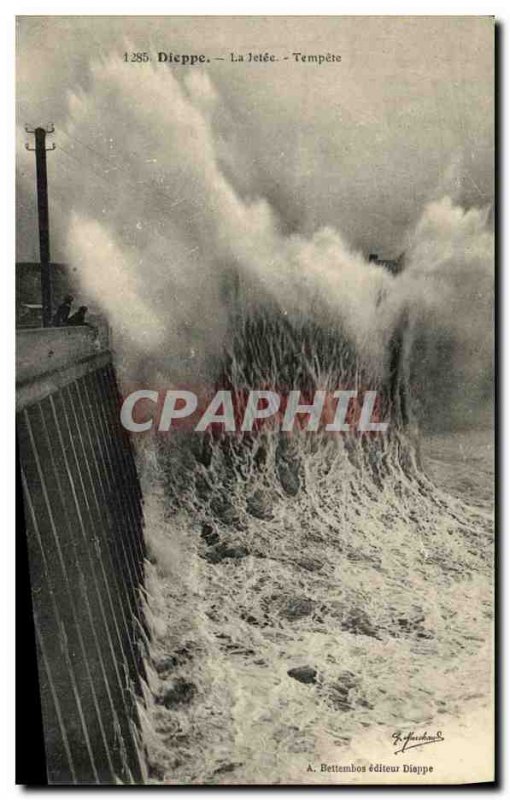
column 273, row 553
column 376, row 579
column 270, row 553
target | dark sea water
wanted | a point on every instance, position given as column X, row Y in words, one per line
column 462, row 463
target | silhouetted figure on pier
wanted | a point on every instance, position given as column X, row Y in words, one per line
column 78, row 318
column 61, row 315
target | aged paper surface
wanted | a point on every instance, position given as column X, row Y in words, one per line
column 255, row 291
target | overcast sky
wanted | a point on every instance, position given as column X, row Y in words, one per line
column 406, row 116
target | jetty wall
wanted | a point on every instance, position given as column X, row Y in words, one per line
column 84, row 529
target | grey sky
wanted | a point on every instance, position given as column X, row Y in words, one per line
column 407, row 115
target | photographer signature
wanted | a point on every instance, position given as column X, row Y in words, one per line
column 406, row 741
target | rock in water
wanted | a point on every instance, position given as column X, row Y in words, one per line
column 303, row 674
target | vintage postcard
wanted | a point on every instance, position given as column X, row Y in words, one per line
column 255, row 397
